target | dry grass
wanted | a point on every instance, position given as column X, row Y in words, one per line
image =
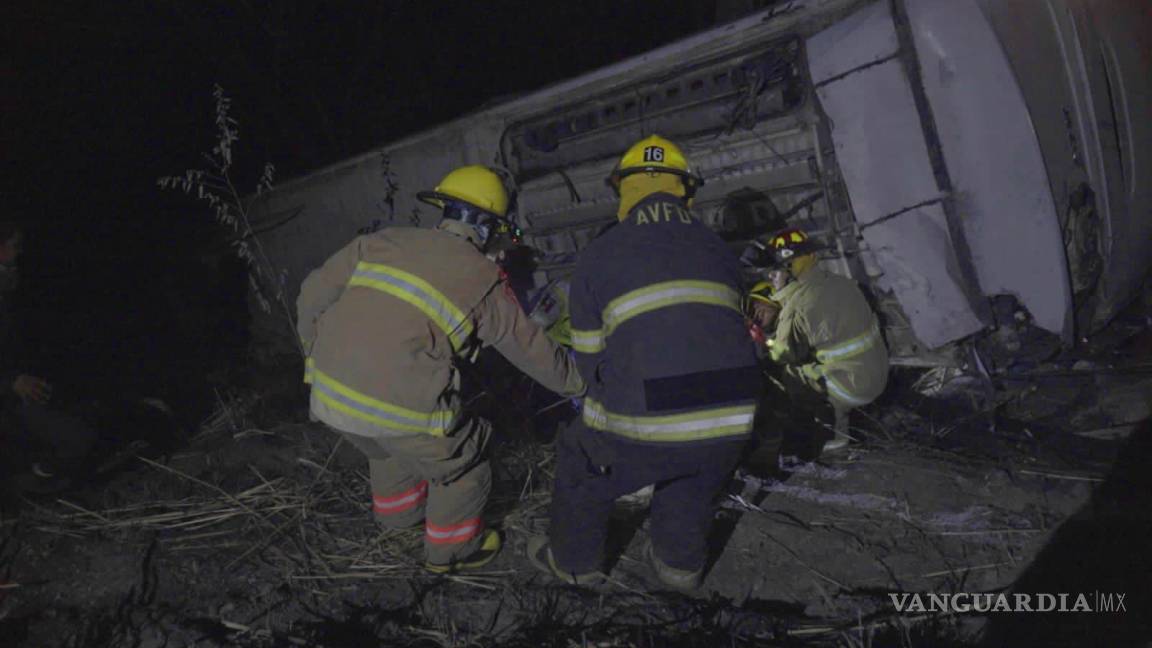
column 309, row 521
column 304, row 523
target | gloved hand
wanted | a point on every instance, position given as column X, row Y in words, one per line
column 755, row 332
column 576, row 401
column 31, row 389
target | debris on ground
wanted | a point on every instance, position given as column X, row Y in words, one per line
column 254, row 535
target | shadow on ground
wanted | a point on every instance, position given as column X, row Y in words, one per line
column 1104, row 548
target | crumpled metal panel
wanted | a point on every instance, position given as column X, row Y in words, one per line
column 863, row 37
column 879, row 144
column 994, row 160
column 884, row 161
column 913, row 250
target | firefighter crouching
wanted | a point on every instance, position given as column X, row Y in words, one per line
column 827, row 345
column 385, row 324
column 658, row 333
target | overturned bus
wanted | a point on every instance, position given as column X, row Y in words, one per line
column 949, row 153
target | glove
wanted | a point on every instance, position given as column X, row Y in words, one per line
column 31, row 389
column 755, row 332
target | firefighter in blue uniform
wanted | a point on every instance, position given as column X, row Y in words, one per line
column 660, row 339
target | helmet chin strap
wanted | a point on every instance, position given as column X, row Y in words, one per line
column 472, row 223
column 484, row 236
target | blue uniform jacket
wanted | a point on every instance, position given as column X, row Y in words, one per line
column 658, row 331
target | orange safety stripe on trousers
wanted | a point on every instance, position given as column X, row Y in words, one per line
column 405, row 501
column 454, row 534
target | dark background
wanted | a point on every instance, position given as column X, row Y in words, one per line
column 121, row 292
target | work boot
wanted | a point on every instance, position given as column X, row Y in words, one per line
column 838, row 442
column 488, row 550
column 642, row 497
column 678, row 579
column 540, row 555
column 42, row 479
column 840, row 429
column 763, row 460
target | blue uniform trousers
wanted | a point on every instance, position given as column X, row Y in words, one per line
column 593, row 468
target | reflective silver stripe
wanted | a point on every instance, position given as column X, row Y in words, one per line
column 443, row 535
column 837, row 390
column 587, row 341
column 383, row 506
column 349, row 402
column 852, row 347
column 705, row 424
column 453, row 534
column 383, row 503
column 417, row 292
column 667, row 293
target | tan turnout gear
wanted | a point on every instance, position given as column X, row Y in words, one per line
column 830, row 340
column 384, row 323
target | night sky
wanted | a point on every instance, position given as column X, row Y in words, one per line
column 101, row 99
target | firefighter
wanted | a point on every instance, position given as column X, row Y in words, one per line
column 386, row 324
column 658, row 334
column 827, row 346
column 28, row 388
column 43, row 449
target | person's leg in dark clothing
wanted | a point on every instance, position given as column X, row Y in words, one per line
column 592, row 470
column 761, row 455
column 581, row 503
column 682, row 507
column 805, row 400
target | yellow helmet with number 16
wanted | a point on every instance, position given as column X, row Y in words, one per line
column 655, row 154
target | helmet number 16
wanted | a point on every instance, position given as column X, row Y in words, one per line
column 654, row 154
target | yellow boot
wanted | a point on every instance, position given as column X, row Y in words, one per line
column 488, row 550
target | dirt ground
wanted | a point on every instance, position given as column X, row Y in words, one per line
column 261, row 536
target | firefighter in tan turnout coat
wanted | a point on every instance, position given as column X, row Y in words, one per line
column 827, row 344
column 385, row 323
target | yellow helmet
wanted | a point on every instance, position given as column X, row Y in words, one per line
column 654, row 154
column 762, row 291
column 476, row 185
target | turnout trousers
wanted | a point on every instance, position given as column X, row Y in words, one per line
column 442, row 482
column 593, row 468
column 807, row 391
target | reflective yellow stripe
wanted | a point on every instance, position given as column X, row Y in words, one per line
column 706, row 424
column 667, row 293
column 840, row 393
column 648, row 299
column 851, row 348
column 417, row 292
column 352, row 403
column 587, row 341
